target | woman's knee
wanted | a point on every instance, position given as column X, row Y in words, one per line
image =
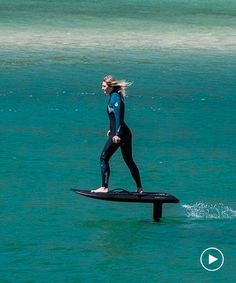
column 103, row 157
column 129, row 162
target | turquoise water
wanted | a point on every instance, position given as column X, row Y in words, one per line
column 181, row 109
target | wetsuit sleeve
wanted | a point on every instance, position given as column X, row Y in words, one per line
column 116, row 106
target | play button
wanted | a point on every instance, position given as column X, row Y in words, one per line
column 212, row 259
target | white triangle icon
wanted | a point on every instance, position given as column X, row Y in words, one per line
column 212, row 259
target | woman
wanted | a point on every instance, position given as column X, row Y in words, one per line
column 119, row 133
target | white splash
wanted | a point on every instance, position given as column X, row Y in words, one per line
column 209, row 211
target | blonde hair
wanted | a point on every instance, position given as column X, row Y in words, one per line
column 119, row 86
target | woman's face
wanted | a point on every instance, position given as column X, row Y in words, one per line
column 106, row 88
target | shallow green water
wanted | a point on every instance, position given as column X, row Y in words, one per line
column 181, row 109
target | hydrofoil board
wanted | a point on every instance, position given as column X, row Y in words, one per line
column 121, row 195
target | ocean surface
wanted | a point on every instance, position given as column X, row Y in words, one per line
column 181, row 56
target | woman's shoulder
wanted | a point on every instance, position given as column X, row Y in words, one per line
column 115, row 96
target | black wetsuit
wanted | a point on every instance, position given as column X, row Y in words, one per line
column 115, row 110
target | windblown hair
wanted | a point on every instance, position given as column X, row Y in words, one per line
column 118, row 86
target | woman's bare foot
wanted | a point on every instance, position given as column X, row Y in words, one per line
column 140, row 190
column 100, row 190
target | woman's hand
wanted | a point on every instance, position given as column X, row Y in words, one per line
column 116, row 139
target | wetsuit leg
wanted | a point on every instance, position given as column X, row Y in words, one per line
column 126, row 149
column 108, row 150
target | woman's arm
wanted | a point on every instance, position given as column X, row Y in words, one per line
column 116, row 107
